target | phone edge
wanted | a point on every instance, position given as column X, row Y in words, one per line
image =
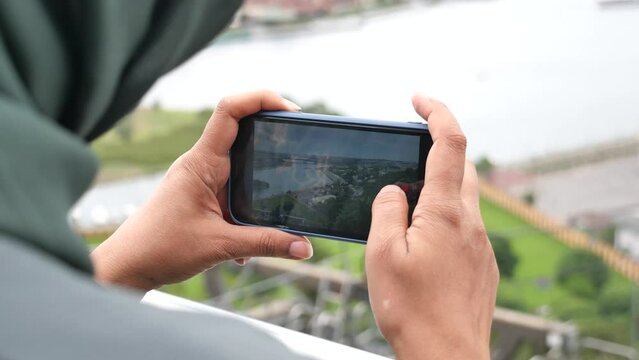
column 291, row 231
column 410, row 125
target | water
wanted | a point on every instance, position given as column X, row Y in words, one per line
column 291, row 178
column 108, row 205
column 523, row 77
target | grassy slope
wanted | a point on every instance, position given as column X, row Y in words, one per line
column 158, row 138
column 539, row 255
column 533, row 285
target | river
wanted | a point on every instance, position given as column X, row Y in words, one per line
column 291, row 178
column 523, row 77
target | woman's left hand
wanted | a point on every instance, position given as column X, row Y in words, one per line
column 181, row 231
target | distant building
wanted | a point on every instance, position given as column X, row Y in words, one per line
column 510, row 179
column 278, row 11
column 590, row 188
column 322, row 199
column 627, row 234
column 581, row 186
column 613, row 4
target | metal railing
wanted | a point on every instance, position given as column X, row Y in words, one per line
column 301, row 343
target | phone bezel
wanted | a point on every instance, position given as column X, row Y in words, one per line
column 244, row 135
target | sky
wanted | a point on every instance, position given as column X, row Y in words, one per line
column 324, row 141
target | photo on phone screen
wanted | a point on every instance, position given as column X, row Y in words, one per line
column 322, row 179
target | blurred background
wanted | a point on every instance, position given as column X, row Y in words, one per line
column 547, row 93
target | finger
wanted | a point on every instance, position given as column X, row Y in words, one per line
column 470, row 189
column 242, row 261
column 389, row 220
column 446, row 159
column 251, row 241
column 221, row 130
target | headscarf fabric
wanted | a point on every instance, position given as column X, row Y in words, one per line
column 69, row 69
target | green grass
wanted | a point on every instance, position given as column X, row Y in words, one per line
column 339, row 254
column 152, row 140
column 539, row 255
column 193, row 288
column 533, row 286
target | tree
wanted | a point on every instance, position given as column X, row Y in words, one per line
column 506, row 259
column 287, row 205
column 125, row 129
column 582, row 273
column 615, row 301
column 608, row 234
column 484, row 166
column 529, row 198
column 354, row 214
column 275, row 214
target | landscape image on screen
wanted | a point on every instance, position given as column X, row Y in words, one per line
column 324, row 179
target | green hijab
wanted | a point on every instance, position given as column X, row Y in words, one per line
column 69, row 69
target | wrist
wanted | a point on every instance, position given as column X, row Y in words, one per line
column 439, row 344
column 111, row 271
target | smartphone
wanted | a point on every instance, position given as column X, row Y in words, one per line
column 318, row 175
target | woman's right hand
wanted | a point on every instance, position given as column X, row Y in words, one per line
column 432, row 285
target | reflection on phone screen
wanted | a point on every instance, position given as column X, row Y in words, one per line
column 323, row 179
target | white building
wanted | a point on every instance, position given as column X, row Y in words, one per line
column 589, row 188
column 627, row 234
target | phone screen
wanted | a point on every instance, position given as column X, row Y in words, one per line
column 322, row 179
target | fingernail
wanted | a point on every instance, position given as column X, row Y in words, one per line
column 391, row 188
column 300, row 250
column 241, row 261
column 292, row 104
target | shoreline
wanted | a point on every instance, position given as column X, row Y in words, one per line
column 331, row 23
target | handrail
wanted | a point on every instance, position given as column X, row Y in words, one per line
column 301, row 343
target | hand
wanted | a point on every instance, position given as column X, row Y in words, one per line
column 181, row 231
column 432, row 284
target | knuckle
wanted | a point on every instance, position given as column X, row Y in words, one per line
column 479, row 239
column 223, row 105
column 380, row 251
column 479, row 233
column 450, row 212
column 420, row 218
column 491, row 265
column 268, row 93
column 382, row 240
column 438, row 186
column 225, row 248
column 438, row 105
column 266, row 244
column 228, row 253
column 223, row 251
column 387, row 199
column 495, row 269
column 457, row 142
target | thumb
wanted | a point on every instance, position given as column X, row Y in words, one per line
column 390, row 219
column 252, row 241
